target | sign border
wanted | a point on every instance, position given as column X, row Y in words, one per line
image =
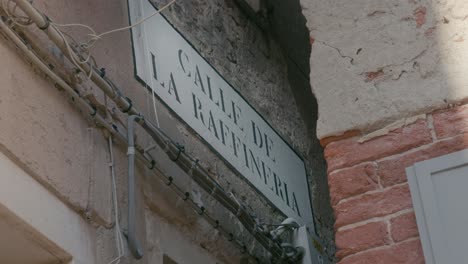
column 187, row 126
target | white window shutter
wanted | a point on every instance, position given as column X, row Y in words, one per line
column 439, row 190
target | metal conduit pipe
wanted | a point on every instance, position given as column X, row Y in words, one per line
column 118, row 135
column 54, row 34
column 187, row 163
column 122, row 102
column 133, row 242
column 82, row 104
column 202, row 178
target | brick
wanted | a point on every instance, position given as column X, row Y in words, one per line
column 371, row 76
column 459, row 39
column 349, row 152
column 372, row 205
column 429, row 33
column 403, row 227
column 361, row 238
column 420, row 16
column 451, row 122
column 392, row 171
column 408, row 252
column 353, row 181
column 312, row 40
column 348, row 134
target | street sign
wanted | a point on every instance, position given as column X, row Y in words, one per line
column 167, row 63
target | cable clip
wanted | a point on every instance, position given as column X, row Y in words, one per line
column 153, row 164
column 180, row 149
column 244, row 248
column 240, row 206
column 239, row 211
column 202, row 210
column 102, row 72
column 166, row 148
column 93, row 114
column 187, row 195
column 194, row 165
column 213, row 191
column 170, row 180
column 255, row 229
column 131, row 151
column 130, row 105
column 47, row 23
column 150, row 148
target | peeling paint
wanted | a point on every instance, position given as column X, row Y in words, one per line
column 371, row 76
column 376, row 13
column 459, row 39
column 429, row 32
column 398, row 124
column 420, row 16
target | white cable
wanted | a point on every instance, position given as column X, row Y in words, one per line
column 94, row 38
column 86, row 46
column 145, row 45
column 76, row 25
column 73, row 56
column 13, row 16
column 118, row 231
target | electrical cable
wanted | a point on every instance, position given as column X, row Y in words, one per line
column 272, row 247
column 118, row 231
column 94, row 38
column 13, row 16
column 76, row 61
column 83, row 46
column 75, row 25
column 100, row 121
column 86, row 46
column 145, row 45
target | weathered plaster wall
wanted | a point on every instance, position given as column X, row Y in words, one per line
column 171, row 242
column 374, row 62
column 54, row 143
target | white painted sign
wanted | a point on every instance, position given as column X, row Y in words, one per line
column 199, row 95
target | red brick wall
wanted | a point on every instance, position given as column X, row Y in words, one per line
column 375, row 221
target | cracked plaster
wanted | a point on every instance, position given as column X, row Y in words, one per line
column 375, row 62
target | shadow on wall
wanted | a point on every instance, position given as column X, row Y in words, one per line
column 288, row 25
column 371, row 63
column 448, row 25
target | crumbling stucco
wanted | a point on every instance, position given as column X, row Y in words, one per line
column 374, row 62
